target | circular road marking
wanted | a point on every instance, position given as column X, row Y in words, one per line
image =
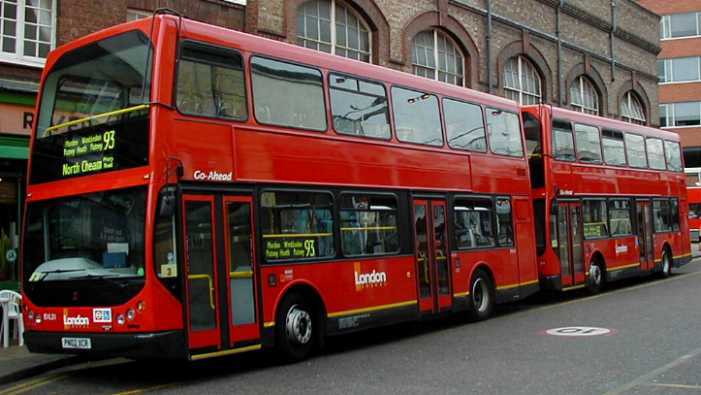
column 575, row 331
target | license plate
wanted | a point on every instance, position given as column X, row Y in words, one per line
column 76, row 343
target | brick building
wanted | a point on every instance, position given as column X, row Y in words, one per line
column 679, row 71
column 597, row 56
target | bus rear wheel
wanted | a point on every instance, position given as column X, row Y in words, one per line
column 666, row 269
column 295, row 327
column 482, row 297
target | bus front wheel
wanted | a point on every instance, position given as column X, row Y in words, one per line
column 295, row 327
column 666, row 269
column 482, row 298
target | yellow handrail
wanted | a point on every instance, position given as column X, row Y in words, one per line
column 288, row 235
column 246, row 274
column 209, row 282
column 97, row 116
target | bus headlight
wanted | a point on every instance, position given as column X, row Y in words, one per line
column 120, row 319
column 131, row 314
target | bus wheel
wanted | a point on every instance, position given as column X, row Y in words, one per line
column 666, row 264
column 295, row 326
column 596, row 278
column 482, row 298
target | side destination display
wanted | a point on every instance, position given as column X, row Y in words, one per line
column 105, row 142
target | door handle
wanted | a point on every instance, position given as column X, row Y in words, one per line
column 209, row 284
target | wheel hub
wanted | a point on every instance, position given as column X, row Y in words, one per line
column 479, row 294
column 298, row 325
column 595, row 274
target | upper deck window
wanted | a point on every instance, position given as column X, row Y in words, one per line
column 465, row 125
column 287, row 94
column 331, row 26
column 588, row 143
column 673, row 156
column 563, row 141
column 434, row 55
column 27, row 30
column 635, row 150
column 359, row 107
column 655, row 154
column 416, row 116
column 504, row 131
column 211, row 82
column 614, row 151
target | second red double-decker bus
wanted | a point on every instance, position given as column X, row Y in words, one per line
column 609, row 198
column 196, row 192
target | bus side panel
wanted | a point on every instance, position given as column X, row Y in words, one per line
column 525, row 241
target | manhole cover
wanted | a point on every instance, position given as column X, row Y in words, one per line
column 574, row 331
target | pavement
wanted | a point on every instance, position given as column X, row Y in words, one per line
column 17, row 363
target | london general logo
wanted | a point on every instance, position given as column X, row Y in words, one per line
column 368, row 279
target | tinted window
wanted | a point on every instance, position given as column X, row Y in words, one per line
column 473, row 223
column 288, row 95
column 505, row 226
column 504, row 132
column 369, row 225
column 465, row 125
column 620, row 217
column 359, row 107
column 614, row 151
column 416, row 117
column 635, row 149
column 588, row 144
column 661, row 215
column 563, row 142
column 673, row 156
column 211, row 82
column 296, row 225
column 655, row 154
column 694, row 210
column 674, row 214
column 595, row 223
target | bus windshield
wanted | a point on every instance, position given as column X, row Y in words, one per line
column 86, row 238
column 94, row 110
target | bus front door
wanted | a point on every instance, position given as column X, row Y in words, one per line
column 570, row 249
column 220, row 265
column 432, row 259
column 643, row 232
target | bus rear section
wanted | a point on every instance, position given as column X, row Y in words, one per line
column 609, row 198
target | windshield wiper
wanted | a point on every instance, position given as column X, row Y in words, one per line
column 62, row 271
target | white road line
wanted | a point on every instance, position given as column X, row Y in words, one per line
column 650, row 375
column 679, row 386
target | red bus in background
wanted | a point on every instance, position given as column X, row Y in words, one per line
column 694, row 193
column 196, row 191
column 609, row 198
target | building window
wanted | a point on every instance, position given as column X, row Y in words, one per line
column 134, row 15
column 583, row 96
column 680, row 25
column 27, row 30
column 679, row 70
column 680, row 114
column 436, row 56
column 521, row 81
column 330, row 26
column 632, row 110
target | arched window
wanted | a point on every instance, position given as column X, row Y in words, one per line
column 434, row 55
column 331, row 26
column 583, row 96
column 632, row 109
column 521, row 81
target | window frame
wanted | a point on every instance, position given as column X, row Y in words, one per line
column 259, row 240
column 489, row 134
column 324, row 90
column 17, row 57
column 496, row 222
column 603, row 150
column 390, row 116
column 681, row 155
column 669, row 214
column 398, row 212
column 631, row 216
column 664, row 155
column 647, row 162
column 393, row 119
column 484, row 123
column 520, row 91
column 581, row 80
column 435, row 32
column 552, row 138
column 584, row 201
column 212, row 48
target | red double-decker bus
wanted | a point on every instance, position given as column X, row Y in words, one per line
column 609, row 198
column 196, row 192
column 694, row 195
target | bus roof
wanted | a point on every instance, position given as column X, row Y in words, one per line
column 595, row 120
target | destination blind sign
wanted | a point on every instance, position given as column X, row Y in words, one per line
column 88, row 154
column 120, row 143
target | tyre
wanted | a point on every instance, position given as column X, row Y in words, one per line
column 295, row 327
column 482, row 296
column 595, row 282
column 666, row 269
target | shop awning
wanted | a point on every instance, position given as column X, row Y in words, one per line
column 12, row 147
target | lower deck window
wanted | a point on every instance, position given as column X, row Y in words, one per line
column 473, row 223
column 369, row 225
column 297, row 225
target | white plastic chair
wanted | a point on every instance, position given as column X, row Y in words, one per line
column 11, row 311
